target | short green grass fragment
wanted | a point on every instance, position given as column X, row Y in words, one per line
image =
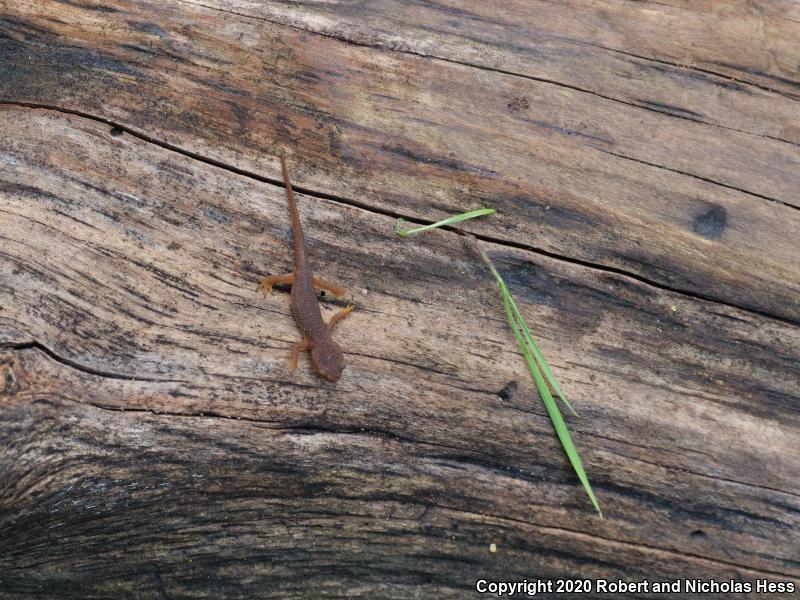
column 448, row 221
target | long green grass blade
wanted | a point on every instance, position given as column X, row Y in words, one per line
column 448, row 221
column 536, row 352
column 540, row 371
column 552, row 409
column 529, row 349
column 548, row 373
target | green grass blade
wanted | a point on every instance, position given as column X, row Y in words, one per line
column 538, row 353
column 522, row 333
column 448, row 221
column 539, row 369
column 548, row 373
column 552, row 408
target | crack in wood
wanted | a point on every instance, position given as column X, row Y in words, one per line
column 700, row 177
column 367, row 207
column 35, row 345
column 699, row 70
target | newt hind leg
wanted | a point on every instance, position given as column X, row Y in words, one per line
column 334, row 289
column 267, row 283
column 298, row 347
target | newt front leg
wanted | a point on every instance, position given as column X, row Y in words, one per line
column 339, row 316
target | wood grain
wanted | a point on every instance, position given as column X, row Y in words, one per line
column 688, row 206
column 152, row 441
column 156, row 442
column 719, row 64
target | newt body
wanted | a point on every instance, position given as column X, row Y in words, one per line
column 326, row 355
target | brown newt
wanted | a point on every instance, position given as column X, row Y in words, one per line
column 326, row 355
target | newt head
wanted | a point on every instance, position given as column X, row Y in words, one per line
column 328, row 360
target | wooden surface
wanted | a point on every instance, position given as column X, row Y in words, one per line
column 645, row 162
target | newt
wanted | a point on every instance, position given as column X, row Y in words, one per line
column 327, row 358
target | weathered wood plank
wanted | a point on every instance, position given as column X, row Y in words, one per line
column 717, row 65
column 200, row 507
column 572, row 174
column 127, row 283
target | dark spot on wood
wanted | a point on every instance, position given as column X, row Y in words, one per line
column 423, row 157
column 141, row 49
column 670, row 109
column 116, row 132
column 757, row 73
column 530, row 281
column 283, row 126
column 27, row 28
column 675, row 72
column 518, row 104
column 307, row 77
column 173, row 246
column 570, row 132
column 85, row 5
column 712, row 223
column 9, row 384
column 45, row 67
column 190, row 119
column 698, row 534
column 216, row 214
column 135, row 201
column 249, row 267
column 33, row 194
column 508, row 391
column 338, row 146
column 240, row 113
column 148, row 28
column 547, row 210
column 282, row 287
